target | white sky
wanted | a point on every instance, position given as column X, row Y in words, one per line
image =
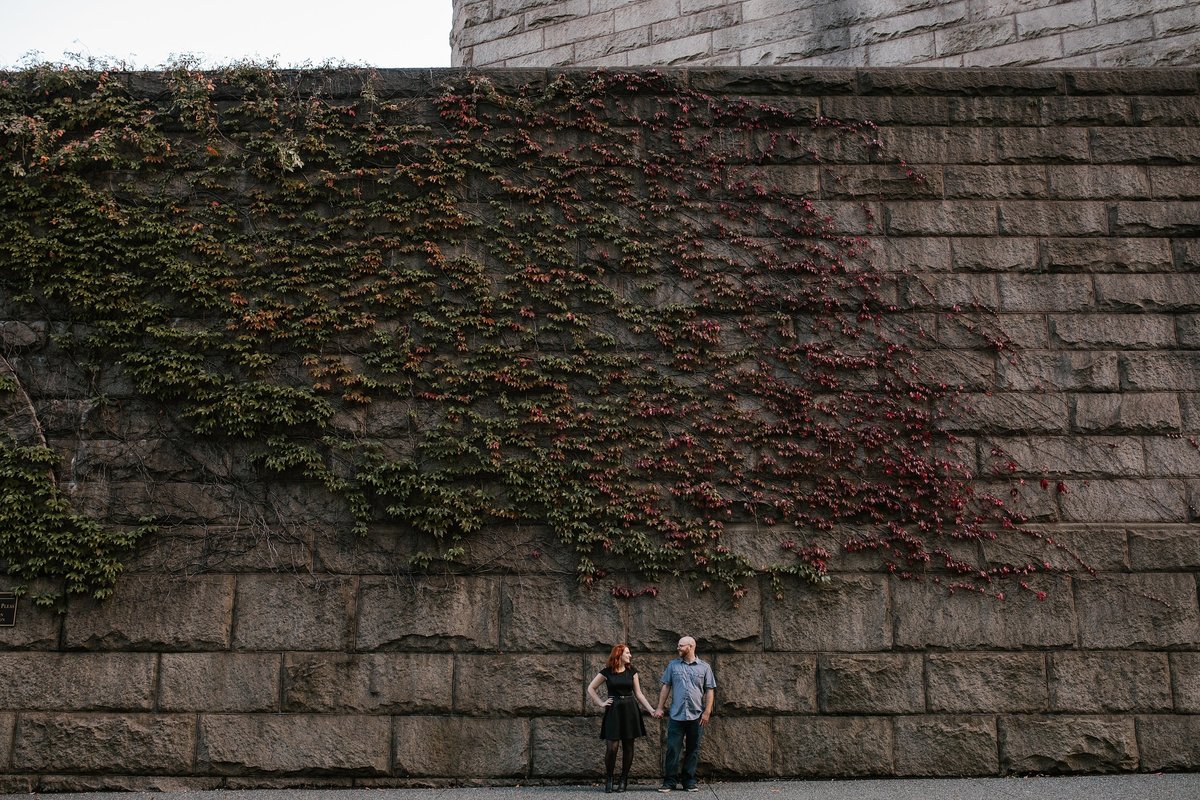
column 147, row 33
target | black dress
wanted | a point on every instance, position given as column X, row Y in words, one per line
column 622, row 719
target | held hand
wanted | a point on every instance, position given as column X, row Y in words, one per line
column 658, row 713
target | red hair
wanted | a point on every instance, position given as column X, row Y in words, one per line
column 614, row 658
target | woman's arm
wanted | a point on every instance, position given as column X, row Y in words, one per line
column 637, row 690
column 591, row 690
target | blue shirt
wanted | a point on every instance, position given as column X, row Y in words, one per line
column 688, row 684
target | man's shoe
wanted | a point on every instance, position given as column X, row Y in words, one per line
column 692, row 788
column 667, row 787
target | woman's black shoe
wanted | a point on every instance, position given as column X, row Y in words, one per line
column 608, row 787
column 624, row 784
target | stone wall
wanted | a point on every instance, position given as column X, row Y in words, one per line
column 842, row 33
column 263, row 645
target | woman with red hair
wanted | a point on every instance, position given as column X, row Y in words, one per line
column 622, row 721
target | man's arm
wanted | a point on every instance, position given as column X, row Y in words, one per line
column 708, row 704
column 662, row 698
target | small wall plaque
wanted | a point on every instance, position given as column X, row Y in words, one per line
column 8, row 609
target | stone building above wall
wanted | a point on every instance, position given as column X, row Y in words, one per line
column 853, row 33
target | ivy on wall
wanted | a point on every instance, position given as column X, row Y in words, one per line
column 594, row 309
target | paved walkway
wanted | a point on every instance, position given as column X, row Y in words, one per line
column 1115, row 787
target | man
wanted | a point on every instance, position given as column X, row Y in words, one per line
column 690, row 683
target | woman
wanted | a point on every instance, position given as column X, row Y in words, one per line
column 622, row 718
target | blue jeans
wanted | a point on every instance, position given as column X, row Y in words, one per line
column 682, row 736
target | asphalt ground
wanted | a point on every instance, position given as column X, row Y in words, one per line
column 1175, row 786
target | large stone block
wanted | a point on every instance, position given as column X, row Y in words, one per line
column 996, row 182
column 987, row 682
column 737, row 746
column 6, row 738
column 945, row 746
column 717, row 621
column 1138, row 611
column 773, row 683
column 571, row 747
column 871, row 684
column 429, row 613
column 153, row 612
column 1108, row 255
column 832, row 747
column 77, row 681
column 547, row 613
column 1165, row 548
column 35, row 628
column 943, row 291
column 524, row 684
column 849, row 615
column 1067, row 548
column 1061, row 456
column 460, row 747
column 945, row 218
column 1113, row 331
column 1148, row 293
column 1042, row 371
column 294, row 612
column 105, row 743
column 1185, row 679
column 290, row 744
column 1017, row 412
column 1127, row 413
column 1176, row 218
column 374, row 683
column 1058, row 745
column 1146, row 145
column 204, row 549
column 1114, row 500
column 1052, row 217
column 1104, row 682
column 1169, row 743
column 927, row 616
column 1099, row 183
column 1003, row 254
column 219, row 682
column 1172, row 457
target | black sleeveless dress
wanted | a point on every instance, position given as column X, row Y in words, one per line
column 622, row 719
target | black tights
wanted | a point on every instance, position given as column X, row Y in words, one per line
column 610, row 756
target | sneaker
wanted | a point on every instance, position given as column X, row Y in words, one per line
column 692, row 788
column 666, row 788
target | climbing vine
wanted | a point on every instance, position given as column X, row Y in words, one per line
column 595, row 308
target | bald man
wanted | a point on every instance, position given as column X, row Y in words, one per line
column 690, row 683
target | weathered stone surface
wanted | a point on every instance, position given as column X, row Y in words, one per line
column 946, row 218
column 105, row 743
column 1048, row 218
column 428, row 613
column 1160, row 371
column 1102, row 183
column 739, row 746
column 219, row 682
column 1165, row 548
column 459, row 747
column 552, row 613
column 1067, row 745
column 987, row 682
column 233, row 744
column 200, row 549
column 996, row 182
column 871, row 684
column 1105, row 682
column 926, row 617
column 1013, row 411
column 849, row 615
column 945, row 746
column 1142, row 293
column 656, row 623
column 524, row 684
column 832, row 747
column 396, row 683
column 570, row 747
column 1169, row 743
column 1132, row 413
column 762, row 682
column 1138, row 611
column 1175, row 457
column 77, row 681
column 294, row 612
column 36, row 628
column 151, row 612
